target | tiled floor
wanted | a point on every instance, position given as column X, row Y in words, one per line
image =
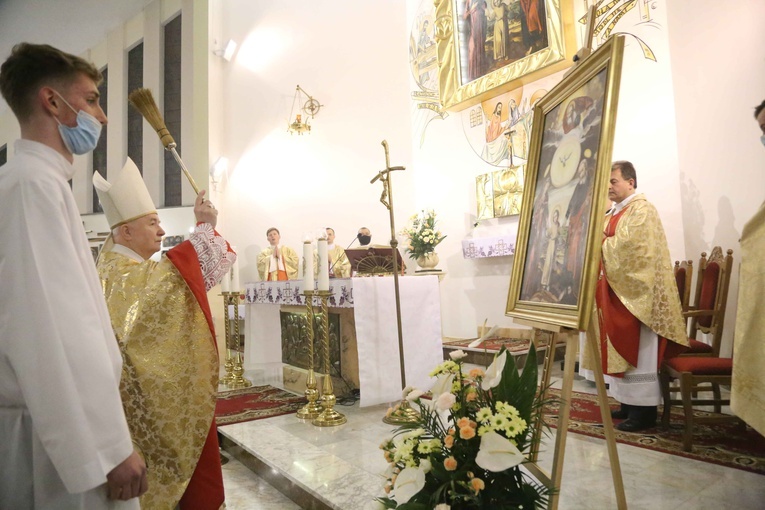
column 341, row 466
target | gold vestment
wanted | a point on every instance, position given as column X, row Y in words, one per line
column 289, row 259
column 170, row 372
column 638, row 266
column 747, row 398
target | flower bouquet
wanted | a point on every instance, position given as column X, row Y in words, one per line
column 422, row 234
column 467, row 448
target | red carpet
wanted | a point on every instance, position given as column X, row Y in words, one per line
column 724, row 444
column 255, row 403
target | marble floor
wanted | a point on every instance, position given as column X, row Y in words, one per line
column 339, row 467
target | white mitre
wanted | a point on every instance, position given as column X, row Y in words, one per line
column 124, row 197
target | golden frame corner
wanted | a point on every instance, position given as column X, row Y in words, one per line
column 455, row 93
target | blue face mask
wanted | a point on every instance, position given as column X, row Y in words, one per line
column 82, row 138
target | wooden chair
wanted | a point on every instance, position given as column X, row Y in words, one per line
column 696, row 374
column 707, row 314
column 703, row 370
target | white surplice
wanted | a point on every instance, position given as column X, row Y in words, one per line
column 62, row 427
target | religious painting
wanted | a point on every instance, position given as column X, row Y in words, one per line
column 559, row 233
column 485, row 46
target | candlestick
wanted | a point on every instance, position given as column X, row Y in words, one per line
column 307, row 266
column 323, row 265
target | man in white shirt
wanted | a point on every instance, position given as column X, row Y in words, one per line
column 64, row 440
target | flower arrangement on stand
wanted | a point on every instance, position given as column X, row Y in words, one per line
column 467, row 448
column 422, row 235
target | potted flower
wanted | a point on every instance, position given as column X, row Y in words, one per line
column 423, row 238
column 466, row 450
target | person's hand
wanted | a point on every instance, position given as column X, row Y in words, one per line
column 205, row 211
column 128, row 479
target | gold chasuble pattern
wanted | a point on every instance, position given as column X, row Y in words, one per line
column 747, row 398
column 162, row 333
column 638, row 267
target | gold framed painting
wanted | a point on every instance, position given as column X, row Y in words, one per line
column 557, row 253
column 487, row 46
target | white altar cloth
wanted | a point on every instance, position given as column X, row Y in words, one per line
column 373, row 299
column 377, row 335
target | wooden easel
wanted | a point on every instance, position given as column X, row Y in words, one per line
column 570, row 337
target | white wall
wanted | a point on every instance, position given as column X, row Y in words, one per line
column 349, row 55
column 718, row 69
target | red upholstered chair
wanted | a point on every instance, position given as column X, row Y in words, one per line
column 695, row 374
column 707, row 314
column 702, row 370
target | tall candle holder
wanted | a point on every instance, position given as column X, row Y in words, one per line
column 313, row 408
column 229, row 365
column 328, row 417
column 236, row 380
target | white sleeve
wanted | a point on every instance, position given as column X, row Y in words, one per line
column 215, row 258
column 56, row 336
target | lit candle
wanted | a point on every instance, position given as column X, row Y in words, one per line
column 235, row 286
column 225, row 283
column 323, row 265
column 307, row 265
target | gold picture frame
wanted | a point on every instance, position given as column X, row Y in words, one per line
column 557, row 253
column 550, row 48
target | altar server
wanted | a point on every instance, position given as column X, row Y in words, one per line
column 64, row 441
column 163, row 324
column 277, row 262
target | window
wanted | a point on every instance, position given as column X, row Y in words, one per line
column 99, row 153
column 172, row 113
column 134, row 117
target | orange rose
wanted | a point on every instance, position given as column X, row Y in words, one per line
column 476, row 372
column 450, row 463
column 463, row 422
column 467, row 432
column 477, row 485
column 449, row 441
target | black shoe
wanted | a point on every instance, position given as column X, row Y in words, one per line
column 621, row 413
column 640, row 418
column 631, row 425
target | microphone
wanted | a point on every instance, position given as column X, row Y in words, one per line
column 349, row 245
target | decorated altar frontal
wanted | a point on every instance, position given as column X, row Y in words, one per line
column 367, row 326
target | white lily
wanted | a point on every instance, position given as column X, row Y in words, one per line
column 425, row 465
column 443, row 384
column 458, row 354
column 494, row 372
column 497, row 453
column 488, row 334
column 414, row 395
column 409, row 482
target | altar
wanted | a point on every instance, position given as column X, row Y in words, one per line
column 364, row 331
